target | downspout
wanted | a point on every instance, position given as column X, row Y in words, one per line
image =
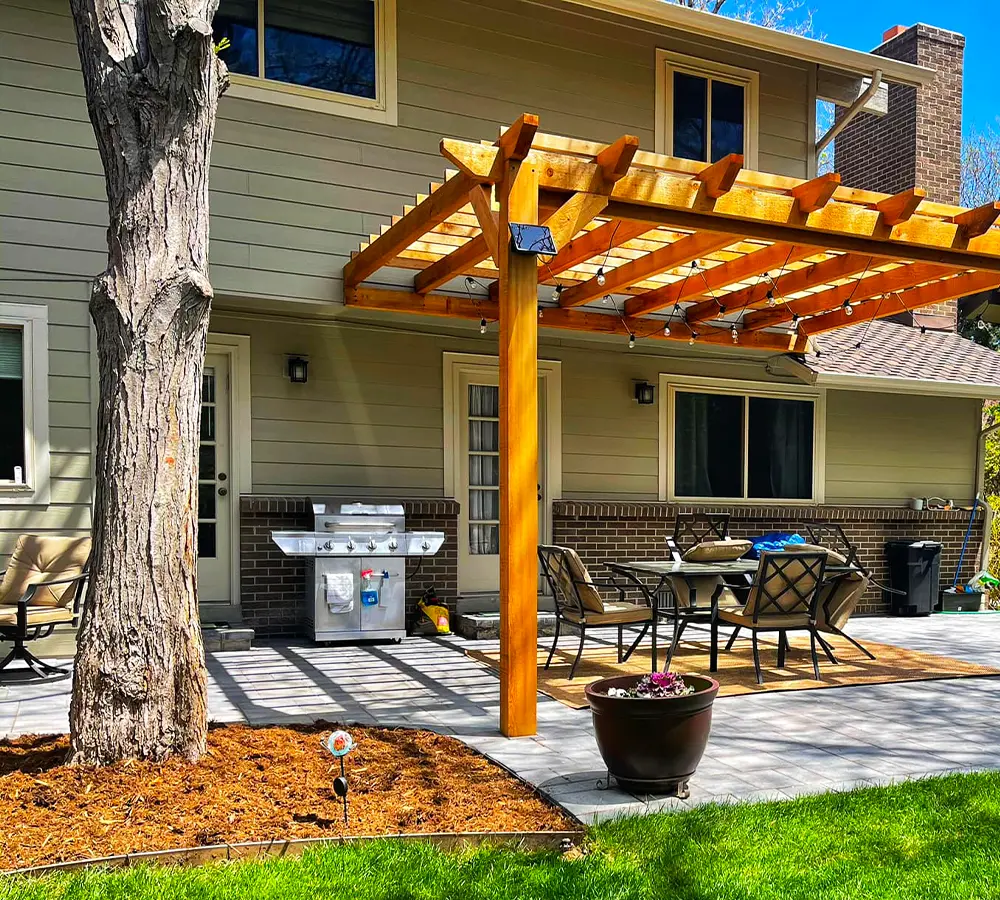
column 984, row 555
column 852, row 112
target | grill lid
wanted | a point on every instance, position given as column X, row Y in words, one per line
column 325, row 506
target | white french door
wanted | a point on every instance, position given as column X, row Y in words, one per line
column 215, row 518
column 478, row 481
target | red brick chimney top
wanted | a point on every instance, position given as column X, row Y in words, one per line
column 893, row 32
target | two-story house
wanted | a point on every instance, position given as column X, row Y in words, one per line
column 331, row 125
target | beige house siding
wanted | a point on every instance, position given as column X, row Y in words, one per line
column 370, row 419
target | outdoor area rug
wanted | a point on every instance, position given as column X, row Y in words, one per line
column 736, row 674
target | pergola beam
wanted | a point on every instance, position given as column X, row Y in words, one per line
column 680, row 253
column 977, row 221
column 900, row 207
column 718, row 179
column 817, row 192
column 578, row 320
column 600, row 240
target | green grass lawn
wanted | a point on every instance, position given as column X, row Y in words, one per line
column 930, row 839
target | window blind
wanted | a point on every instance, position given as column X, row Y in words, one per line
column 11, row 353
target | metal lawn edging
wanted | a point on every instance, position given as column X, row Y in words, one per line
column 196, row 856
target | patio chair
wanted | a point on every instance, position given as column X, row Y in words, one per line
column 42, row 587
column 832, row 536
column 783, row 597
column 579, row 604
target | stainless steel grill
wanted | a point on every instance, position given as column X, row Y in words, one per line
column 356, row 577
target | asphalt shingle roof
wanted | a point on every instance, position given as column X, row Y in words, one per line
column 892, row 350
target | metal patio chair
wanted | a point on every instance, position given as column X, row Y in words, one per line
column 579, row 604
column 42, row 587
column 783, row 597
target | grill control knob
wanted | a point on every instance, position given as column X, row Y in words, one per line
column 393, row 545
column 328, row 545
column 350, row 545
column 372, row 545
column 425, row 546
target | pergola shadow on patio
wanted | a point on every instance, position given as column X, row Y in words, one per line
column 650, row 247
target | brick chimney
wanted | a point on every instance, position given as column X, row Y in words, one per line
column 918, row 143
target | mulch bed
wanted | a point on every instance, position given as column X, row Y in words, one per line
column 255, row 784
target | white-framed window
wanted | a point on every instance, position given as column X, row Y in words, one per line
column 705, row 110
column 24, row 407
column 336, row 56
column 735, row 442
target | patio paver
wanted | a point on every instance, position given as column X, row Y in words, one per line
column 777, row 744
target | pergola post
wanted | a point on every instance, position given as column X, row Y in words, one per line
column 518, row 304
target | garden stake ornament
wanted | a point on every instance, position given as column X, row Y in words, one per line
column 340, row 743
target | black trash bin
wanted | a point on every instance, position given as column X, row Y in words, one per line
column 914, row 569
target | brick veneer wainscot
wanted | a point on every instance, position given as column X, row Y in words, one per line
column 273, row 586
column 601, row 531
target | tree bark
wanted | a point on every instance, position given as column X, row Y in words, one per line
column 153, row 82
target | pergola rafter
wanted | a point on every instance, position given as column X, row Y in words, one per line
column 709, row 254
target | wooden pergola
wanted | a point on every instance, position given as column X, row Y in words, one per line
column 650, row 247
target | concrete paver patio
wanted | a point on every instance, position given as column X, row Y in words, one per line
column 771, row 745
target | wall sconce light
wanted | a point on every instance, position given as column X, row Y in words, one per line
column 645, row 393
column 298, row 370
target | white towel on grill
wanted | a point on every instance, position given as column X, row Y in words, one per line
column 338, row 591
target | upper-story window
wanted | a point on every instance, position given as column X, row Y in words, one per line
column 329, row 55
column 705, row 110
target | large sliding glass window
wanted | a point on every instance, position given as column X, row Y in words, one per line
column 741, row 446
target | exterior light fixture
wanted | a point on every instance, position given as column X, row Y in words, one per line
column 298, row 370
column 645, row 393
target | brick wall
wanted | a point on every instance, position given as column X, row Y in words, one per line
column 273, row 586
column 919, row 142
column 599, row 531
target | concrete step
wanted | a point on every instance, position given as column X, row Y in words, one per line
column 484, row 626
column 226, row 638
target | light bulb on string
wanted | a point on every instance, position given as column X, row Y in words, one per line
column 482, row 326
column 600, row 277
column 848, row 309
column 666, row 330
column 735, row 334
column 606, row 299
column 694, row 334
column 923, row 329
column 557, row 292
column 770, row 298
column 631, row 341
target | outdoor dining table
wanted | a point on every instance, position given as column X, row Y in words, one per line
column 652, row 578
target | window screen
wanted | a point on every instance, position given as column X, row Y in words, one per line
column 708, row 445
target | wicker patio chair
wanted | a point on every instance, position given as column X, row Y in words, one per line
column 42, row 587
column 783, row 597
column 579, row 604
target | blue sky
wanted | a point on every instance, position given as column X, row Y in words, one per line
column 860, row 23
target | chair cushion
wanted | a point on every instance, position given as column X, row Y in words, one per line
column 704, row 588
column 832, row 555
column 736, row 617
column 578, row 580
column 614, row 614
column 37, row 615
column 838, row 599
column 717, row 551
column 38, row 558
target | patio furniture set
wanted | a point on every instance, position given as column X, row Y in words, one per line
column 707, row 579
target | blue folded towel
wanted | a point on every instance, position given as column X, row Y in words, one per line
column 774, row 541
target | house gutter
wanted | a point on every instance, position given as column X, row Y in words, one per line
column 852, row 112
column 889, row 385
column 750, row 36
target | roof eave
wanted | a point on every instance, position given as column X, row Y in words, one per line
column 894, row 385
column 671, row 15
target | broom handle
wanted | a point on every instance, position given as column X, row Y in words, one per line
column 965, row 543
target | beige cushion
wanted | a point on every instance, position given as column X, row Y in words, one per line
column 578, row 579
column 37, row 615
column 781, row 598
column 614, row 614
column 717, row 551
column 838, row 600
column 39, row 558
column 745, row 620
column 832, row 555
column 704, row 588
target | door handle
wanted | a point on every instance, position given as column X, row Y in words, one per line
column 223, row 492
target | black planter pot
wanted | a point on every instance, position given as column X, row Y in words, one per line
column 652, row 746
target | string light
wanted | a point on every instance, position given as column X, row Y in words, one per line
column 606, row 299
column 482, row 326
column 557, row 292
column 770, row 297
column 694, row 335
column 666, row 330
column 848, row 309
column 631, row 340
column 736, row 335
column 923, row 329
column 795, row 320
column 600, row 277
column 540, row 312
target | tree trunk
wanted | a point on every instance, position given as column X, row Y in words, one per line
column 153, row 82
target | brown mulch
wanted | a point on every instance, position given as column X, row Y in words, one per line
column 255, row 784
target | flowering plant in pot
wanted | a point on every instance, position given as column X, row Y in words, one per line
column 652, row 730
